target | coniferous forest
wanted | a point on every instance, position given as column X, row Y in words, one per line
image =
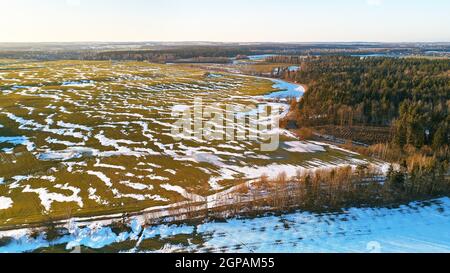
column 412, row 96
column 407, row 97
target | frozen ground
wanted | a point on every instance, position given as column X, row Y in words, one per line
column 417, row 227
column 96, row 138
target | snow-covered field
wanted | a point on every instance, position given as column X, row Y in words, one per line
column 96, row 138
column 412, row 228
column 82, row 140
column 418, row 227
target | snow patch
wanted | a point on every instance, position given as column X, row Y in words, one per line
column 5, row 203
column 303, row 147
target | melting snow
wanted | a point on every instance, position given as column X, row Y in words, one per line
column 102, row 177
column 18, row 140
column 303, row 147
column 47, row 198
column 5, row 203
column 413, row 228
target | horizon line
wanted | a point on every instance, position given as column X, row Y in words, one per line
column 229, row 42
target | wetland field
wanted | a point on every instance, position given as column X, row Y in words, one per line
column 94, row 138
column 89, row 147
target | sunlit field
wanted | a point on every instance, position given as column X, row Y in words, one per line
column 94, row 138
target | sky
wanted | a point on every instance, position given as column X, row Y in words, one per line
column 225, row 20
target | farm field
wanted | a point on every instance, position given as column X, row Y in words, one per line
column 194, row 128
column 95, row 138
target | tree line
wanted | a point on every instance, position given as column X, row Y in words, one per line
column 410, row 95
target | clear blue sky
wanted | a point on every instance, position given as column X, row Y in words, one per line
column 224, row 20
